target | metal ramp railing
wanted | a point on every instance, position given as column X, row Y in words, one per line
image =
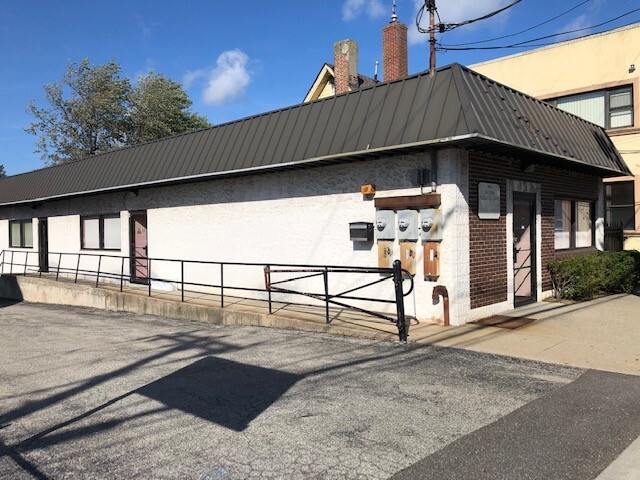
column 121, row 270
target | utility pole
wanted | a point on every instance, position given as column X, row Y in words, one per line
column 431, row 6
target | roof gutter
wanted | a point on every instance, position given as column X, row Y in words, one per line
column 282, row 166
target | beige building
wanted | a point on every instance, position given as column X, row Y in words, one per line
column 597, row 78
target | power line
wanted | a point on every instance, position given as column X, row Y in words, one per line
column 527, row 43
column 451, row 26
column 523, row 31
column 443, row 27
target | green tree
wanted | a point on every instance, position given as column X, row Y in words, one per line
column 86, row 113
column 2, row 172
column 160, row 107
column 94, row 109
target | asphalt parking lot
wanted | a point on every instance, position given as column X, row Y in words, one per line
column 94, row 394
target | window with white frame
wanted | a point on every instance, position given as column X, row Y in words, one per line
column 610, row 108
column 573, row 224
column 21, row 233
column 620, row 205
column 100, row 232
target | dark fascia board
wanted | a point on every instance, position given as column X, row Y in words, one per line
column 570, row 162
column 468, row 140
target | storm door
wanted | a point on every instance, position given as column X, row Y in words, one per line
column 524, row 248
column 138, row 248
column 43, row 245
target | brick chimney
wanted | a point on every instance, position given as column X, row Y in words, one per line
column 394, row 49
column 345, row 65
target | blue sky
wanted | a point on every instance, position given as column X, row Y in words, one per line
column 236, row 58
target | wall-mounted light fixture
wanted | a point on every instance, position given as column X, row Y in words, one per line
column 632, row 68
column 368, row 189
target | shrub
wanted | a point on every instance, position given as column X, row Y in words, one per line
column 581, row 277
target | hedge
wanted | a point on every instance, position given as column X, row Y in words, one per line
column 582, row 277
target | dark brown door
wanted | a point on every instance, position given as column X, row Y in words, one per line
column 524, row 248
column 43, row 245
column 139, row 260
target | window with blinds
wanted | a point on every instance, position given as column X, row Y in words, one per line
column 100, row 232
column 610, row 109
column 620, row 205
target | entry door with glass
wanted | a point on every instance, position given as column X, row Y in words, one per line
column 524, row 248
column 139, row 260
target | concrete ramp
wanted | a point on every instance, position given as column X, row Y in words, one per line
column 196, row 307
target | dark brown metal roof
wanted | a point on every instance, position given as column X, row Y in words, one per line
column 456, row 106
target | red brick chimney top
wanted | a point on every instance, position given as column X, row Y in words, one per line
column 394, row 50
column 345, row 65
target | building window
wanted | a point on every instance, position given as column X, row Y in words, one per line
column 620, row 205
column 573, row 224
column 100, row 232
column 21, row 234
column 610, row 109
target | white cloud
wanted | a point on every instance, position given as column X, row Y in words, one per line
column 460, row 10
column 577, row 23
column 352, row 9
column 581, row 22
column 190, row 77
column 227, row 81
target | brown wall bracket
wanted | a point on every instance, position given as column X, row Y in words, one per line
column 428, row 200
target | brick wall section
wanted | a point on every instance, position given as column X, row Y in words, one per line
column 488, row 238
column 341, row 70
column 394, row 51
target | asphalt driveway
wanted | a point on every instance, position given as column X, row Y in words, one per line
column 94, row 394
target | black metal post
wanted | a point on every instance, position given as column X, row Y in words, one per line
column 98, row 275
column 325, row 276
column 122, row 274
column 267, row 281
column 11, row 267
column 2, row 264
column 58, row 269
column 403, row 327
column 182, row 278
column 26, row 260
column 222, row 285
column 149, row 274
column 75, row 280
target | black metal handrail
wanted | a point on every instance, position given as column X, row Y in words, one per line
column 396, row 273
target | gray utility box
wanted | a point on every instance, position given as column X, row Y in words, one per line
column 407, row 225
column 431, row 225
column 385, row 226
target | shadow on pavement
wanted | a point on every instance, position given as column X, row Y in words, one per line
column 221, row 391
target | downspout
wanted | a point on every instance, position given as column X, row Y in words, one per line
column 441, row 290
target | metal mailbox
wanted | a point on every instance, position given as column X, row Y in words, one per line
column 361, row 231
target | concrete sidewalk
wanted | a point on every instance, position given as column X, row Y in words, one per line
column 600, row 334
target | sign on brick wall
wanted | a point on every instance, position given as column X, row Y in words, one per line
column 488, row 201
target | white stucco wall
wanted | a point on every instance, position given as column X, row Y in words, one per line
column 299, row 216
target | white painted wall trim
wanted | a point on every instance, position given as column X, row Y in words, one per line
column 453, row 170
